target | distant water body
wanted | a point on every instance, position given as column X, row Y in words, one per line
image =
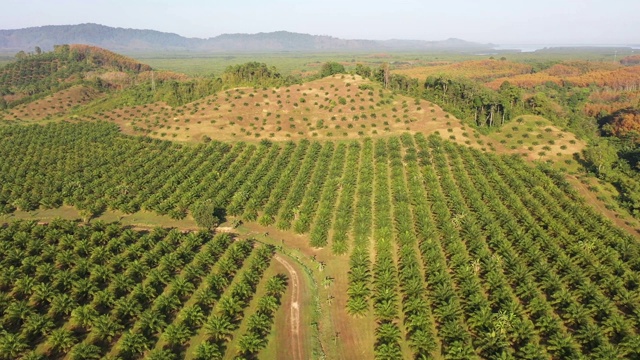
column 534, row 47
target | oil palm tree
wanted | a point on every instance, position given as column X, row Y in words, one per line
column 152, row 322
column 37, row 325
column 16, row 313
column 83, row 317
column 105, row 328
column 219, row 328
column 208, row 351
column 388, row 351
column 161, row 354
column 62, row 304
column 11, row 346
column 133, row 344
column 192, row 317
column 231, row 306
column 177, row 335
column 61, row 340
column 182, row 288
column 84, row 351
column 251, row 343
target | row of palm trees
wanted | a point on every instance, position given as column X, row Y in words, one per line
column 553, row 339
column 255, row 336
column 567, row 269
column 497, row 313
column 272, row 202
column 235, row 175
column 242, row 195
column 416, row 314
column 434, row 229
column 177, row 192
column 343, row 218
column 360, row 259
column 318, row 157
column 385, row 273
column 92, row 290
column 226, row 316
column 260, row 194
column 329, row 169
column 64, row 290
column 325, row 208
column 167, row 317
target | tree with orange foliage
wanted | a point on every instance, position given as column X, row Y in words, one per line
column 625, row 123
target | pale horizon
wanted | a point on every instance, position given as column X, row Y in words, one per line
column 546, row 22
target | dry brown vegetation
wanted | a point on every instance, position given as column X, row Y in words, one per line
column 483, row 70
column 608, row 75
column 57, row 104
column 339, row 107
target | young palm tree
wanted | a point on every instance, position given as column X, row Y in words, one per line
column 388, row 351
column 127, row 308
column 251, row 343
column 16, row 313
column 177, row 335
column 62, row 304
column 37, row 325
column 269, row 303
column 192, row 317
column 152, row 322
column 133, row 344
column 61, row 340
column 231, row 306
column 182, row 288
column 208, row 351
column 83, row 289
column 260, row 323
column 276, row 285
column 23, row 287
column 205, row 298
column 105, row 328
column 83, row 317
column 219, row 328
column 387, row 333
column 103, row 299
column 167, row 303
column 11, row 346
column 85, row 351
column 161, row 354
column 33, row 355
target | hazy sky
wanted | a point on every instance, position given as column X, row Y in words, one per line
column 497, row 21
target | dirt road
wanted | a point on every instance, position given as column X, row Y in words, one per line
column 296, row 343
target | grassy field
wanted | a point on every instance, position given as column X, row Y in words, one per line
column 296, row 63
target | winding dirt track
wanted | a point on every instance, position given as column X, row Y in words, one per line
column 296, row 344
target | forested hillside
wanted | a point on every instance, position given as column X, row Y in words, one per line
column 45, row 73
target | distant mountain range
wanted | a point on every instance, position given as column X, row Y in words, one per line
column 132, row 40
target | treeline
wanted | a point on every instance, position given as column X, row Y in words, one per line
column 176, row 92
column 100, row 57
column 464, row 98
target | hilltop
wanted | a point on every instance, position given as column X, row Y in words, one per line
column 134, row 40
column 37, row 75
